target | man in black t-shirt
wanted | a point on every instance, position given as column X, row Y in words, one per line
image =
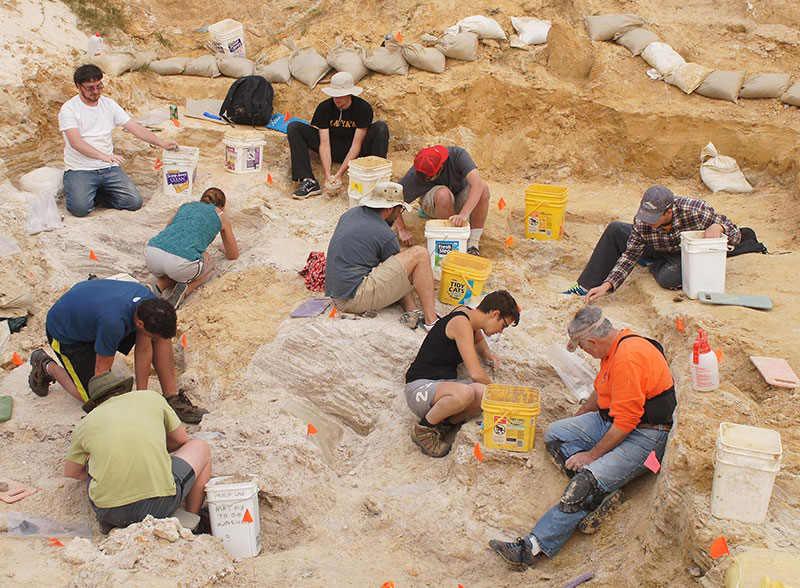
column 341, row 130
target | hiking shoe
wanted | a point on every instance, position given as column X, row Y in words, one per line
column 576, row 289
column 646, row 261
column 592, row 521
column 185, row 409
column 177, row 295
column 39, row 380
column 517, row 552
column 430, row 440
column 410, row 319
column 308, row 187
column 473, row 250
column 447, row 429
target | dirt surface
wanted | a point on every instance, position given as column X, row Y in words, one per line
column 358, row 504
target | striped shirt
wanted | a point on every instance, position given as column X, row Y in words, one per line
column 689, row 214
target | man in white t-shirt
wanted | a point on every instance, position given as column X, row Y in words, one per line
column 92, row 174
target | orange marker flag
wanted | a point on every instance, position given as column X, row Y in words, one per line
column 519, row 308
column 720, row 355
column 16, row 359
column 286, row 116
column 388, row 585
column 53, row 542
column 158, row 163
column 247, row 518
column 501, row 204
column 183, row 341
column 31, row 274
column 176, row 123
column 679, row 324
column 510, row 241
column 399, row 37
column 312, row 430
column 269, row 179
column 92, row 255
column 651, row 463
column 719, row 548
column 333, row 313
column 478, row 453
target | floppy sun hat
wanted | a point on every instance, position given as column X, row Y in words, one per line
column 101, row 385
column 385, row 195
column 342, row 85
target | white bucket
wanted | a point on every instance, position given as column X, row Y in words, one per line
column 702, row 263
column 180, row 170
column 244, row 153
column 747, row 459
column 227, row 37
column 363, row 173
column 443, row 238
column 233, row 512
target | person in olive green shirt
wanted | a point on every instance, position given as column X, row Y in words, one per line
column 122, row 447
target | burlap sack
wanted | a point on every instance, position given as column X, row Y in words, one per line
column 792, row 95
column 463, row 46
column 169, row 67
column 347, row 59
column 204, row 67
column 637, row 39
column 387, row 60
column 662, row 57
column 767, row 85
column 276, row 72
column 305, row 64
column 722, row 85
column 235, row 67
column 483, row 26
column 605, row 27
column 424, row 58
column 532, row 31
column 687, row 77
column 721, row 173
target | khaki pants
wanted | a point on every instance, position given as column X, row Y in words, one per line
column 428, row 206
column 384, row 285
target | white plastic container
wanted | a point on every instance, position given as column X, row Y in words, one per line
column 180, row 170
column 702, row 263
column 244, row 152
column 747, row 459
column 233, row 513
column 227, row 37
column 95, row 45
column 443, row 238
column 363, row 173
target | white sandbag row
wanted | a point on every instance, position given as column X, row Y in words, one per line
column 628, row 30
column 116, row 63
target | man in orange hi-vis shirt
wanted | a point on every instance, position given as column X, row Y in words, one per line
column 606, row 444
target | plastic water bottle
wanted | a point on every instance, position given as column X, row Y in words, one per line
column 704, row 364
column 95, row 46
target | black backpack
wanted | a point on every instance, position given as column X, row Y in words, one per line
column 249, row 101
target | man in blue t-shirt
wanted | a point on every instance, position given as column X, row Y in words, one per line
column 94, row 320
column 341, row 130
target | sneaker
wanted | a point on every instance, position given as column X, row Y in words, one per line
column 410, row 319
column 646, row 261
column 427, row 327
column 308, row 187
column 176, row 296
column 517, row 553
column 592, row 521
column 473, row 250
column 430, row 440
column 576, row 289
column 39, row 380
column 185, row 409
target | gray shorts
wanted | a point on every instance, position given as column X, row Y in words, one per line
column 421, row 393
column 162, row 263
column 428, row 206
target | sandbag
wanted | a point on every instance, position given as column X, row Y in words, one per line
column 765, row 86
column 305, row 64
column 721, row 173
column 483, row 26
column 16, row 298
column 114, row 63
column 605, row 27
column 687, row 77
column 347, row 59
column 276, row 72
column 463, row 46
column 43, row 213
column 45, row 180
column 637, row 39
column 204, row 67
column 169, row 67
column 792, row 95
column 662, row 57
column 234, row 66
column 531, row 31
column 722, row 85
column 387, row 60
column 424, row 58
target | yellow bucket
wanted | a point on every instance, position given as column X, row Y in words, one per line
column 544, row 211
column 509, row 416
column 463, row 277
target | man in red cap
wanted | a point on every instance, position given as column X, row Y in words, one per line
column 448, row 182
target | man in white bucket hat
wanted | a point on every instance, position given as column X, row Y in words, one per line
column 341, row 130
column 366, row 269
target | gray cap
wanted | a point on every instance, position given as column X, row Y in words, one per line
column 656, row 200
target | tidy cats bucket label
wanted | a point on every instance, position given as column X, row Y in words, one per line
column 442, row 249
column 537, row 223
column 458, row 290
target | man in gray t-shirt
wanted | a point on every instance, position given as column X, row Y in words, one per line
column 450, row 187
column 365, row 269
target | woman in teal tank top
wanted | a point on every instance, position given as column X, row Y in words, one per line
column 177, row 256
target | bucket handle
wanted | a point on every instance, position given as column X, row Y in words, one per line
column 463, row 276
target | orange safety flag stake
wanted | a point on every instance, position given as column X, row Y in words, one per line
column 478, row 453
column 176, row 123
column 92, row 255
column 388, row 585
column 333, row 313
column 399, row 37
column 510, row 241
column 679, row 324
column 719, row 548
column 460, row 586
column 312, row 430
column 53, row 542
column 519, row 308
column 286, row 117
column 247, row 518
column 183, row 341
column 501, row 204
column 651, row 463
column 158, row 163
column 16, row 359
column 269, row 179
column 720, row 355
column 31, row 274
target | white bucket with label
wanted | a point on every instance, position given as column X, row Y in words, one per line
column 702, row 263
column 179, row 170
column 244, row 152
column 233, row 512
column 747, row 459
column 227, row 37
column 363, row 173
column 443, row 238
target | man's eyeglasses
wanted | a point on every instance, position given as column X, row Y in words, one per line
column 94, row 88
column 505, row 324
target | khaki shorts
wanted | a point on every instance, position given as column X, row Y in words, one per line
column 384, row 285
column 426, row 203
column 162, row 263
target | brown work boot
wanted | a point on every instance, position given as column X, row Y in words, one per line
column 592, row 521
column 430, row 440
column 185, row 409
column 39, row 380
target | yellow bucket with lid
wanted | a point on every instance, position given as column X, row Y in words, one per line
column 463, row 277
column 544, row 211
column 509, row 416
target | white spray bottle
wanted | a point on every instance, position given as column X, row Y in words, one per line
column 704, row 364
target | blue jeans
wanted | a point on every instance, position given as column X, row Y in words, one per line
column 109, row 187
column 615, row 469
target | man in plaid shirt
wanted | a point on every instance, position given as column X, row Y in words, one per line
column 654, row 240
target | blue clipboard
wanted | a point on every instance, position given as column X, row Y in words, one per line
column 277, row 122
